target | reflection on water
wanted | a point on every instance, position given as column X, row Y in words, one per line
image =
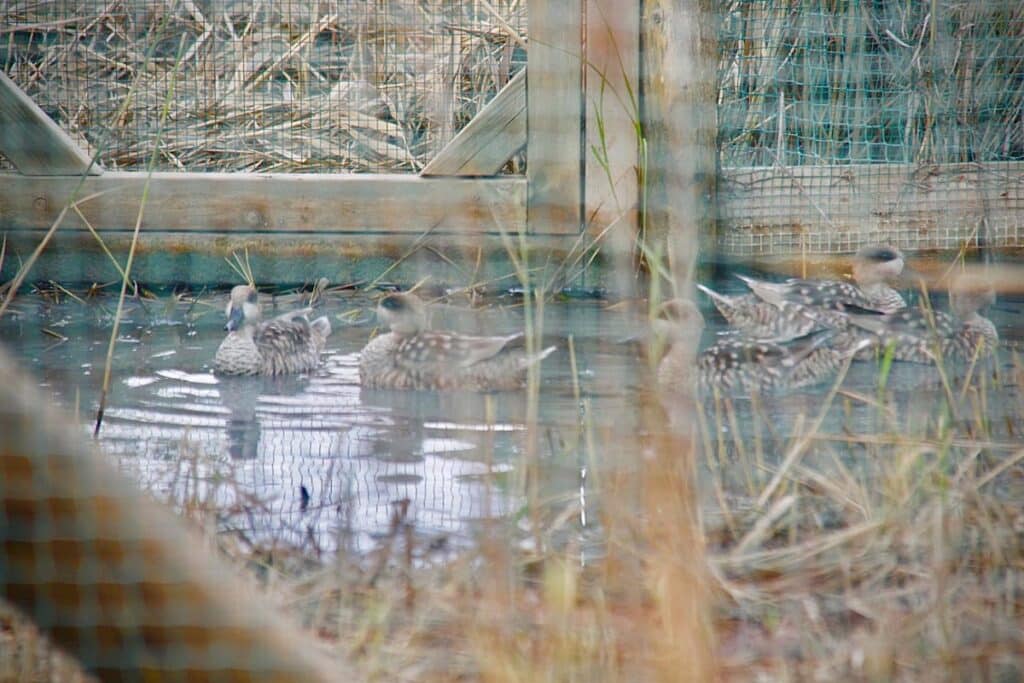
column 315, row 459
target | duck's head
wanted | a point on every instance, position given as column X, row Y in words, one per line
column 678, row 320
column 403, row 313
column 877, row 263
column 243, row 308
column 970, row 293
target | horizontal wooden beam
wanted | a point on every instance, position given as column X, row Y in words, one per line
column 200, row 259
column 32, row 141
column 823, row 209
column 263, row 203
column 488, row 141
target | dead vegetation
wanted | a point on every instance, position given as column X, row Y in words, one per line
column 340, row 85
column 885, row 545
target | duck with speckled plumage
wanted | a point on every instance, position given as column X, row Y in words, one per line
column 746, row 366
column 921, row 335
column 286, row 344
column 411, row 356
column 778, row 311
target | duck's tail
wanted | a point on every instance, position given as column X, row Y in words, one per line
column 321, row 327
column 726, row 305
column 537, row 357
column 871, row 323
column 804, row 346
column 772, row 292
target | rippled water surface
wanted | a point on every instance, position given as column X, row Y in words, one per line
column 315, row 460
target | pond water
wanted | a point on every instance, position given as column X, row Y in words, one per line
column 314, row 461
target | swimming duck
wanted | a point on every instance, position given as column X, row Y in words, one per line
column 745, row 365
column 918, row 335
column 287, row 344
column 412, row 357
column 777, row 311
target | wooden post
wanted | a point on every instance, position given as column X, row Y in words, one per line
column 554, row 117
column 680, row 122
column 115, row 579
column 490, row 139
column 612, row 82
column 680, row 127
column 32, row 141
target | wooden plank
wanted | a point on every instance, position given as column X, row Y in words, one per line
column 612, row 81
column 257, row 203
column 32, row 141
column 487, row 142
column 199, row 258
column 681, row 87
column 554, row 116
column 829, row 209
column 144, row 608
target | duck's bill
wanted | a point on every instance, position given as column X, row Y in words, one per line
column 234, row 319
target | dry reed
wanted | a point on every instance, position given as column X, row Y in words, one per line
column 351, row 85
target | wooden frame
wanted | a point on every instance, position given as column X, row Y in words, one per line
column 32, row 141
column 568, row 188
column 261, row 203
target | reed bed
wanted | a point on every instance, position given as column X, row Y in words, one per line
column 806, row 83
column 345, row 85
column 354, row 85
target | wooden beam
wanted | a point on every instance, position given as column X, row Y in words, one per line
column 125, row 588
column 831, row 209
column 200, row 259
column 32, row 141
column 554, row 115
column 263, row 203
column 681, row 126
column 612, row 76
column 487, row 142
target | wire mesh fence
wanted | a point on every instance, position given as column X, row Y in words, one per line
column 865, row 109
column 286, row 86
column 871, row 82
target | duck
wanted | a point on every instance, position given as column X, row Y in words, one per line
column 745, row 365
column 922, row 335
column 413, row 357
column 778, row 311
column 287, row 344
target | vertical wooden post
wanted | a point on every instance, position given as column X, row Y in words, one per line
column 554, row 116
column 680, row 126
column 612, row 92
column 680, row 121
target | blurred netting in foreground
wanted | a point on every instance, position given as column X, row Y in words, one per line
column 849, row 101
column 245, row 85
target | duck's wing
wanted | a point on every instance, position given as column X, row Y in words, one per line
column 828, row 294
column 286, row 333
column 439, row 349
column 914, row 322
column 284, row 318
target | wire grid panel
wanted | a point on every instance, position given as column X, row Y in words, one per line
column 876, row 91
column 250, row 85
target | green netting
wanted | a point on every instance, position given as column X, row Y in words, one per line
column 871, row 81
column 845, row 122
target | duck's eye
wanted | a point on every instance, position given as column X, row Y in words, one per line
column 392, row 303
column 883, row 255
column 251, row 298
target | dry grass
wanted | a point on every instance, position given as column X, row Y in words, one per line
column 803, row 83
column 885, row 554
column 343, row 85
column 887, row 549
